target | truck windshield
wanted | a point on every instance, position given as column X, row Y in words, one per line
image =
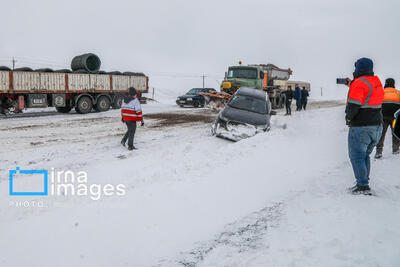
column 248, row 73
column 248, row 103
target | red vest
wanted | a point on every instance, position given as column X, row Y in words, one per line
column 131, row 111
column 366, row 91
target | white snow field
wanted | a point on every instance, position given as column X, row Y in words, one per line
column 276, row 199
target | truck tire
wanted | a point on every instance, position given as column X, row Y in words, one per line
column 64, row 109
column 103, row 104
column 84, row 105
column 117, row 102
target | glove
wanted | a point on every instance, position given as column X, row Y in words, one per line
column 142, row 123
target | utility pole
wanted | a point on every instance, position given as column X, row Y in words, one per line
column 321, row 91
column 203, row 79
column 13, row 63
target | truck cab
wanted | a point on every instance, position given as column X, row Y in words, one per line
column 242, row 76
column 267, row 77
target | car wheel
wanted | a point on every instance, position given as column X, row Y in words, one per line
column 196, row 104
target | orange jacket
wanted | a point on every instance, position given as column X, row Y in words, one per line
column 392, row 96
column 366, row 91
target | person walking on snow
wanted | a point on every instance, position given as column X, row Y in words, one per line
column 131, row 112
column 297, row 96
column 288, row 100
column 391, row 103
column 364, row 117
column 304, row 96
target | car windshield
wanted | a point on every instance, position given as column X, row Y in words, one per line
column 248, row 103
column 248, row 73
column 194, row 91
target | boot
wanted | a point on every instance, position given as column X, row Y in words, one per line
column 361, row 189
column 132, row 148
column 122, row 143
column 378, row 153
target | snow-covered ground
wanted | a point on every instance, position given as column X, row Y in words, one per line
column 277, row 199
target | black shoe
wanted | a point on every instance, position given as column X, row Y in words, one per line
column 132, row 148
column 378, row 154
column 361, row 189
column 122, row 143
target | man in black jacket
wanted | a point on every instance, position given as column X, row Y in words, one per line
column 391, row 103
column 304, row 96
column 288, row 100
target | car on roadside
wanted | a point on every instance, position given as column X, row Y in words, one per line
column 247, row 113
column 193, row 98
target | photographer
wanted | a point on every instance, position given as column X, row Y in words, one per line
column 364, row 117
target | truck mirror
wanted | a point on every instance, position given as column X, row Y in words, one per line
column 261, row 75
column 226, row 75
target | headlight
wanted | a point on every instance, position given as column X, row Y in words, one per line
column 189, row 99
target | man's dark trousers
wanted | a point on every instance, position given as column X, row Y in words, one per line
column 298, row 104
column 288, row 107
column 304, row 103
column 395, row 140
column 130, row 133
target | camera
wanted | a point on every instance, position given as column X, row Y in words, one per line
column 342, row 81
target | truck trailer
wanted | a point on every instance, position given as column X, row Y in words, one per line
column 80, row 89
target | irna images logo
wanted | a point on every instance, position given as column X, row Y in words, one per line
column 59, row 183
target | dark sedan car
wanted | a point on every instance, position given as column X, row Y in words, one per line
column 247, row 113
column 192, row 98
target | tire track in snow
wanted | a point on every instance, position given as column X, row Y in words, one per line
column 239, row 236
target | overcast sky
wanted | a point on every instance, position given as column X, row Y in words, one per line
column 177, row 41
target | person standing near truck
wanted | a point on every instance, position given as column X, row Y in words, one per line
column 391, row 103
column 131, row 113
column 364, row 117
column 304, row 97
column 297, row 96
column 288, row 100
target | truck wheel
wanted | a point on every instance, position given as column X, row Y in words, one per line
column 117, row 101
column 103, row 104
column 84, row 105
column 64, row 109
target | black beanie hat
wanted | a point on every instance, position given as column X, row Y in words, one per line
column 132, row 91
column 389, row 82
column 364, row 65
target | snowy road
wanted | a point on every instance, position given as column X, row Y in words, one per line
column 277, row 199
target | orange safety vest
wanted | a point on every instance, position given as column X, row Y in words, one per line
column 392, row 96
column 366, row 91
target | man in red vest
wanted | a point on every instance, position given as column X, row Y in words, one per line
column 364, row 117
column 131, row 112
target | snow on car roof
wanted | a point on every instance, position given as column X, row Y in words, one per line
column 252, row 92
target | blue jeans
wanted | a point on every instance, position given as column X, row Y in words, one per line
column 362, row 141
